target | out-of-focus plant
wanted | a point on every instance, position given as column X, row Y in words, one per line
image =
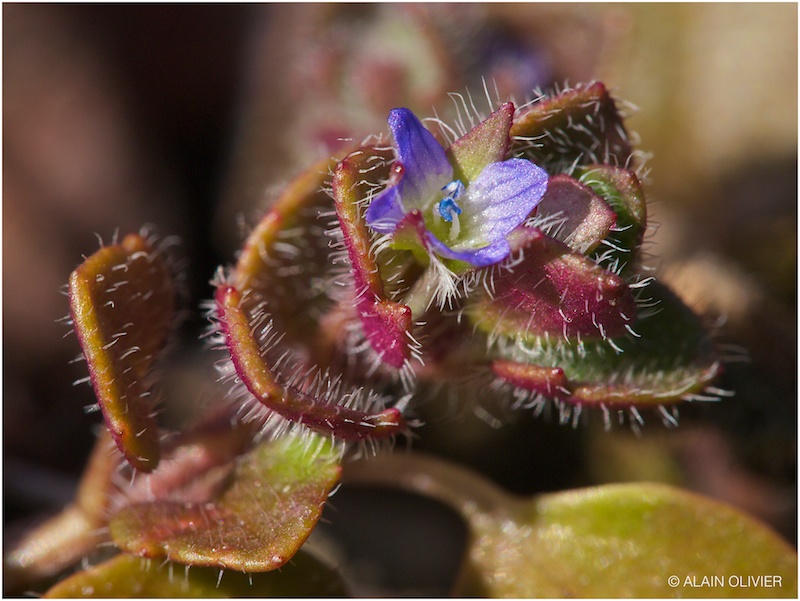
column 494, row 260
column 487, row 259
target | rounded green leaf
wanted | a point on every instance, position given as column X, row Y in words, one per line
column 129, row 576
column 628, row 540
column 619, row 540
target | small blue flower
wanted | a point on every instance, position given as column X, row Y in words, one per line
column 473, row 217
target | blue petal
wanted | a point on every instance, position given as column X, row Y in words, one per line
column 423, row 158
column 479, row 257
column 386, row 211
column 499, row 200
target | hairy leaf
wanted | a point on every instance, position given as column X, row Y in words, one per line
column 274, row 499
column 286, row 252
column 671, row 358
column 486, row 143
column 580, row 125
column 554, row 292
column 386, row 323
column 122, row 301
column 623, row 192
column 298, row 400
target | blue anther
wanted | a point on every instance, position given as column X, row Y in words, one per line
column 454, row 189
column 447, row 206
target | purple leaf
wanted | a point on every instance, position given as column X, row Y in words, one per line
column 556, row 292
column 585, row 218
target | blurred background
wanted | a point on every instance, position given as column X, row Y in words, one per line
column 187, row 117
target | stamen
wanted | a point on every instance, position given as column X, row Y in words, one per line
column 455, row 227
column 454, row 189
column 448, row 209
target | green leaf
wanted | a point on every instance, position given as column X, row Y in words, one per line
column 484, row 144
column 129, row 576
column 274, row 500
column 627, row 540
column 122, row 300
column 671, row 358
column 621, row 540
column 194, row 465
column 623, row 192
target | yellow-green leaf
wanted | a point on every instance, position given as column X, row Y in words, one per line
column 129, row 576
column 272, row 504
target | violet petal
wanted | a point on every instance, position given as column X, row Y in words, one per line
column 500, row 199
column 479, row 257
column 426, row 166
column 385, row 210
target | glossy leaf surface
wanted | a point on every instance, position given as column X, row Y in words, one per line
column 628, row 540
column 581, row 218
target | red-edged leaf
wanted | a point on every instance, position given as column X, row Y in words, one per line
column 670, row 359
column 580, row 124
column 584, row 219
column 122, row 301
column 296, row 401
column 622, row 190
column 486, row 143
column 274, row 500
column 386, row 323
column 555, row 292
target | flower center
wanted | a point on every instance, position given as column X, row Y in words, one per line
column 447, row 208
